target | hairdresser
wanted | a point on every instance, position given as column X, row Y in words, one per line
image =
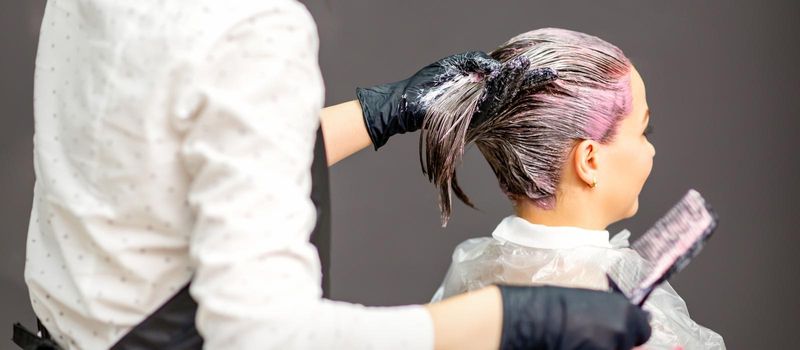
column 178, row 166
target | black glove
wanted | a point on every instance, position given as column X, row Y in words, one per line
column 564, row 318
column 395, row 108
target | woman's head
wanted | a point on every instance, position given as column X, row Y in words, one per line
column 547, row 145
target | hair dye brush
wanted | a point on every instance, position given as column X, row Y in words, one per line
column 670, row 244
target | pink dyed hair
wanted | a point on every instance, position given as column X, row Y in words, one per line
column 528, row 139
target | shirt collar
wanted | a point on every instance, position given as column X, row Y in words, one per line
column 519, row 231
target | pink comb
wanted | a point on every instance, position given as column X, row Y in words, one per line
column 671, row 243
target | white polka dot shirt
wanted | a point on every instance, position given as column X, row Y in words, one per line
column 173, row 142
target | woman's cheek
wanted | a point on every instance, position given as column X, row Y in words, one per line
column 648, row 165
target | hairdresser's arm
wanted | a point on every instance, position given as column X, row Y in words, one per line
column 247, row 147
column 344, row 130
column 538, row 318
column 385, row 110
column 468, row 321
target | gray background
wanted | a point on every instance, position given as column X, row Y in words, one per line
column 722, row 81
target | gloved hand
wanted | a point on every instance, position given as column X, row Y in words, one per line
column 565, row 318
column 395, row 108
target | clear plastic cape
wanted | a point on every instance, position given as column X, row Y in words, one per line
column 480, row 262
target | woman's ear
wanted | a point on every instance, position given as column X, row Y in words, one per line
column 585, row 161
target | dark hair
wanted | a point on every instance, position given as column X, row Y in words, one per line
column 529, row 136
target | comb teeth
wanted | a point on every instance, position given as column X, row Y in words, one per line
column 672, row 242
column 686, row 219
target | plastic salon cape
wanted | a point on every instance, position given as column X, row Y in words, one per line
column 520, row 252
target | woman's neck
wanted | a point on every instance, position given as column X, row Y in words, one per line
column 563, row 215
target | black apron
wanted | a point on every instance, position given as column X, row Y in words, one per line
column 172, row 325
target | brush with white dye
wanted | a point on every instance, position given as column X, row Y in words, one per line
column 671, row 244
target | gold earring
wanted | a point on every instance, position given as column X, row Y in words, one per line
column 594, row 182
